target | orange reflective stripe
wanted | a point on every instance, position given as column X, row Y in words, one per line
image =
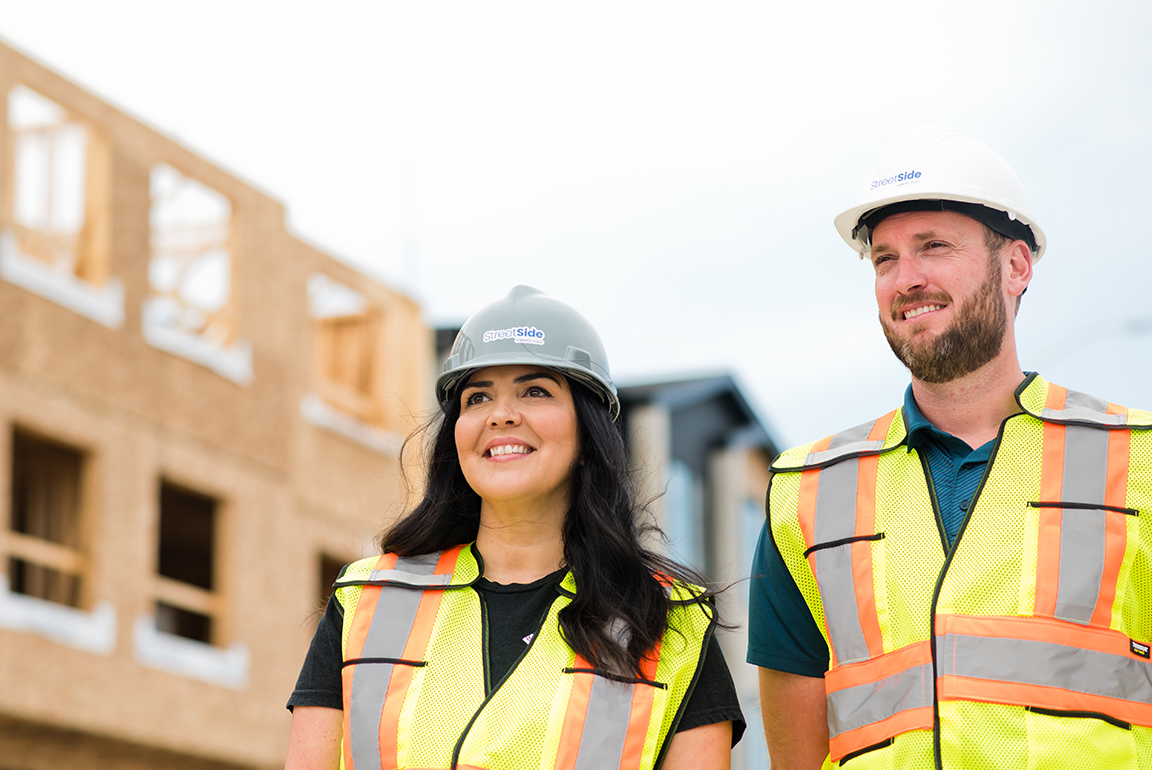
column 1038, row 630
column 869, row 735
column 414, row 649
column 641, row 715
column 361, row 623
column 862, row 550
column 1116, row 527
column 1051, row 484
column 1012, row 693
column 869, row 671
column 809, row 484
column 574, row 714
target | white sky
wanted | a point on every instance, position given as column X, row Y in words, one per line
column 669, row 168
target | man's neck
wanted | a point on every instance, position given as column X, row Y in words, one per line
column 972, row 407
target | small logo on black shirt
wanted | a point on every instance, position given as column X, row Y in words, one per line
column 528, row 640
column 1139, row 649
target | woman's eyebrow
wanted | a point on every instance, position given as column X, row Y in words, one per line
column 536, row 376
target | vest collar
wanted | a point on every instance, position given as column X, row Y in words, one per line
column 847, row 444
column 1077, row 408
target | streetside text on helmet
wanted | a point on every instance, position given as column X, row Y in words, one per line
column 935, row 167
column 529, row 327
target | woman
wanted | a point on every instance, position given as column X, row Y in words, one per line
column 515, row 620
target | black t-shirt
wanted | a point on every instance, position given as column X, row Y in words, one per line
column 512, row 614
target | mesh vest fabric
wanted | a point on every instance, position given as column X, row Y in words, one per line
column 542, row 715
column 1022, row 647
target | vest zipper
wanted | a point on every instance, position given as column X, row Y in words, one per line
column 491, row 693
column 949, row 553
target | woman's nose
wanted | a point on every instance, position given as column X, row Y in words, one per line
column 504, row 413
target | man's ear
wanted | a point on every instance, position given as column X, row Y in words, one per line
column 1019, row 275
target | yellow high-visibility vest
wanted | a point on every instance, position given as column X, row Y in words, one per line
column 413, row 679
column 1025, row 645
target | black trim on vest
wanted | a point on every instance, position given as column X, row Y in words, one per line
column 934, row 500
column 1086, row 507
column 940, row 584
column 1080, row 715
column 691, row 685
column 615, row 678
column 843, row 541
column 842, row 458
column 393, row 661
column 866, row 750
column 491, row 692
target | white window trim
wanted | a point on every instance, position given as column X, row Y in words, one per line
column 93, row 631
column 232, row 363
column 196, row 660
column 320, row 413
column 102, row 304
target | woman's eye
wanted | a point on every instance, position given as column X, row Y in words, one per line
column 474, row 398
column 537, row 392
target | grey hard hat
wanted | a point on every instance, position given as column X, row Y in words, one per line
column 529, row 327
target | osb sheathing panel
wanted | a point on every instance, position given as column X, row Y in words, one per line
column 259, row 553
column 34, row 746
column 289, row 490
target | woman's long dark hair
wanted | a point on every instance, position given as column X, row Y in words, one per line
column 619, row 597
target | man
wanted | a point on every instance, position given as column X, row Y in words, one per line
column 966, row 581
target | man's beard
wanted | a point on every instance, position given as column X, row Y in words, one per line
column 973, row 339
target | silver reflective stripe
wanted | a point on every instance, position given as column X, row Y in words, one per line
column 1046, row 664
column 835, row 519
column 1084, row 408
column 865, row 704
column 1082, row 532
column 391, row 626
column 410, row 578
column 851, row 441
column 605, row 724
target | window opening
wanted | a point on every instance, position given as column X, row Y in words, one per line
column 346, row 329
column 186, row 601
column 330, row 568
column 44, row 542
column 61, row 181
column 190, row 271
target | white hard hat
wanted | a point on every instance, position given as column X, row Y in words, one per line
column 936, row 167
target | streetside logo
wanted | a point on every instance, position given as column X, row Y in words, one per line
column 529, row 335
column 902, row 178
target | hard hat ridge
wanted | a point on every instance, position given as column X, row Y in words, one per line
column 529, row 327
column 936, row 167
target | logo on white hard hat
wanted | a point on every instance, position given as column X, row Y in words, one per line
column 904, row 177
column 529, row 335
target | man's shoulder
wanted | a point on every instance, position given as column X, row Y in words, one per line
column 1054, row 403
column 871, row 437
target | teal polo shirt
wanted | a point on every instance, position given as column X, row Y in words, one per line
column 781, row 632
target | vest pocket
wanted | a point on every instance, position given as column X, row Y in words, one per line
column 866, row 751
column 1071, row 740
column 392, row 661
column 1081, row 715
column 843, row 541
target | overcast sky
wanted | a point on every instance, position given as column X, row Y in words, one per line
column 670, row 168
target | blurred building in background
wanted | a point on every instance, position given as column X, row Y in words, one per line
column 702, row 457
column 199, row 423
